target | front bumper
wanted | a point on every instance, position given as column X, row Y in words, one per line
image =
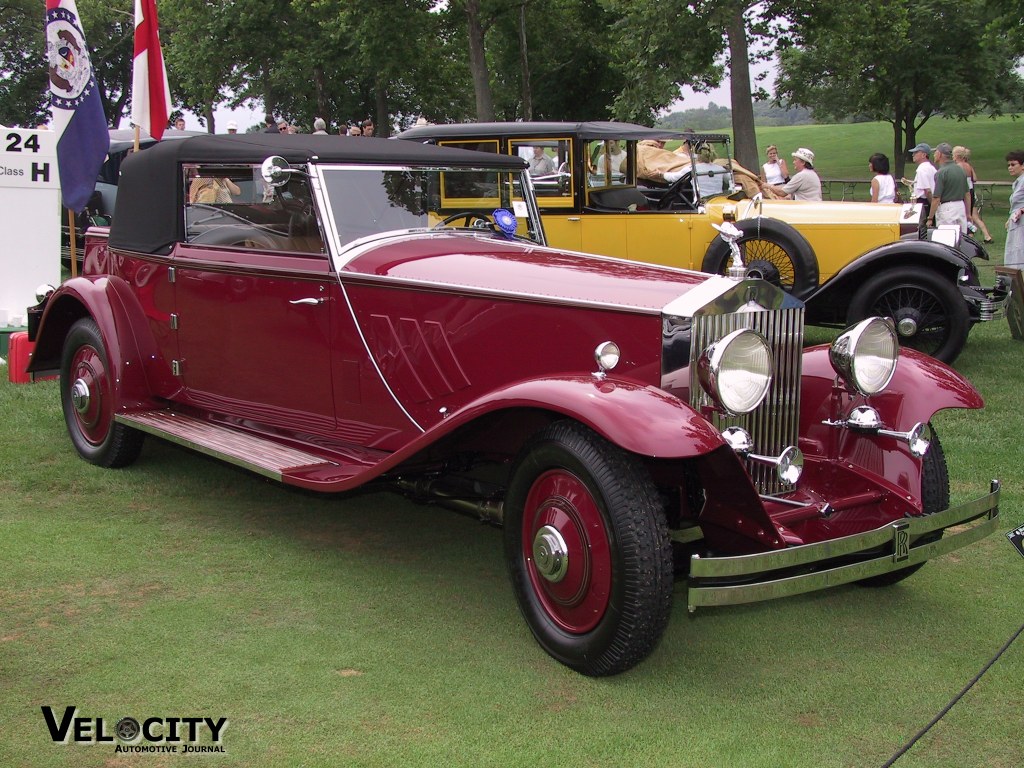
column 780, row 573
column 988, row 303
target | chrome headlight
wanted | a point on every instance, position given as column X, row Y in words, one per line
column 736, row 371
column 865, row 355
column 607, row 355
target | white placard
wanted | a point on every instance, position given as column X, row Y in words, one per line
column 30, row 218
column 28, row 159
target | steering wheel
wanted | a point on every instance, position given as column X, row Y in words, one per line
column 300, row 222
column 677, row 191
column 471, row 219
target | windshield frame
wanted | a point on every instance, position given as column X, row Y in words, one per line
column 512, row 192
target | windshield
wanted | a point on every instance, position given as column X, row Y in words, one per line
column 371, row 200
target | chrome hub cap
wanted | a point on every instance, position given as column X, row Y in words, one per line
column 550, row 554
column 907, row 326
column 80, row 396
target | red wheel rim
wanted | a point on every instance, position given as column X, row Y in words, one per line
column 93, row 417
column 577, row 601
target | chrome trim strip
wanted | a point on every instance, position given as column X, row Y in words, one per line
column 984, row 512
column 369, row 354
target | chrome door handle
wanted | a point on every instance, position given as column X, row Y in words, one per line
column 311, row 302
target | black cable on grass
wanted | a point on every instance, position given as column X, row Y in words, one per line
column 956, row 698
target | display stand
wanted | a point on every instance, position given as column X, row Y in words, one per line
column 1015, row 305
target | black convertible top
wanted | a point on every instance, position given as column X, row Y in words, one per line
column 596, row 129
column 147, row 215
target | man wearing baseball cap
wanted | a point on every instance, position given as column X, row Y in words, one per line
column 924, row 179
column 951, row 200
column 802, row 185
column 232, row 127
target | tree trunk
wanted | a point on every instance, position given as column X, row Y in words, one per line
column 743, row 132
column 211, row 126
column 381, row 119
column 320, row 85
column 525, row 64
column 478, row 64
column 899, row 162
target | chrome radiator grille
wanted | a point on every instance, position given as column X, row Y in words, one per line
column 774, row 425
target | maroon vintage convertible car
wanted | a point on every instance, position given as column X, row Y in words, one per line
column 323, row 320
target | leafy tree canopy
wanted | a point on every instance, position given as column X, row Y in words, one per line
column 901, row 62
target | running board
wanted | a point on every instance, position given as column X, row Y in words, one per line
column 242, row 449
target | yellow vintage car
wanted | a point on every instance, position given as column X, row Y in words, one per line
column 604, row 187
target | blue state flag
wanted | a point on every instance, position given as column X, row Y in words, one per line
column 78, row 119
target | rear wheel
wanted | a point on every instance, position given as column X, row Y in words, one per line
column 927, row 308
column 773, row 251
column 87, row 396
column 934, row 498
column 588, row 550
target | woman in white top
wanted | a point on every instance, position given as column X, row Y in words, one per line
column 775, row 170
column 883, row 186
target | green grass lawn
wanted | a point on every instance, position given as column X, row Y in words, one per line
column 364, row 630
column 842, row 151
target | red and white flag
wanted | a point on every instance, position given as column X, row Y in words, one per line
column 151, row 98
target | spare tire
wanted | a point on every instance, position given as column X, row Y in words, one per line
column 772, row 250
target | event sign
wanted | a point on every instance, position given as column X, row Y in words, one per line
column 30, row 219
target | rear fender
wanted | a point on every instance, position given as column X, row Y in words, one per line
column 109, row 302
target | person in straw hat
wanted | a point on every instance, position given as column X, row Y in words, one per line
column 802, row 185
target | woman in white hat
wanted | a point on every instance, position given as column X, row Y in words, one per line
column 804, row 184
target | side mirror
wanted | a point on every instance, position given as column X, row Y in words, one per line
column 276, row 171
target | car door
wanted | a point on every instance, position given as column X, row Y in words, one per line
column 253, row 295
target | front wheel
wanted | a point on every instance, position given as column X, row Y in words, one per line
column 588, row 551
column 87, row 396
column 773, row 251
column 934, row 498
column 929, row 313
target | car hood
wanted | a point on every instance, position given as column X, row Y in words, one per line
column 470, row 262
column 825, row 212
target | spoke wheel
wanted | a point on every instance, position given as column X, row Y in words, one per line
column 929, row 313
column 587, row 548
column 773, row 251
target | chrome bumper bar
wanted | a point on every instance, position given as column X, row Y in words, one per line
column 807, row 568
column 990, row 303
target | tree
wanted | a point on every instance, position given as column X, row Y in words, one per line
column 23, row 83
column 902, row 63
column 110, row 32
column 563, row 68
column 24, row 90
column 666, row 44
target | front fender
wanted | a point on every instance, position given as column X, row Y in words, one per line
column 123, row 327
column 921, row 387
column 830, row 301
column 640, row 419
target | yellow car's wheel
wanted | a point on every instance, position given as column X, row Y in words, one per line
column 772, row 250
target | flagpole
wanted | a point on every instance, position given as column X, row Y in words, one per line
column 73, row 239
